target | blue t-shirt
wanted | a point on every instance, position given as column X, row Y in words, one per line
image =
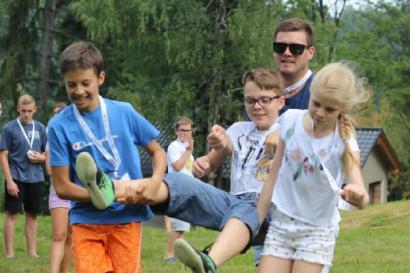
column 15, row 143
column 129, row 129
column 300, row 100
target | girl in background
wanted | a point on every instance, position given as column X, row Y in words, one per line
column 60, row 250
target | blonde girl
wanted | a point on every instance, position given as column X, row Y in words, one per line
column 316, row 152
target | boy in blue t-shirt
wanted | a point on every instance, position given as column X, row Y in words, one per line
column 109, row 239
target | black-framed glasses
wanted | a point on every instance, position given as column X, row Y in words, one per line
column 185, row 130
column 295, row 49
column 263, row 101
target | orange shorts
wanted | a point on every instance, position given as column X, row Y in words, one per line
column 107, row 248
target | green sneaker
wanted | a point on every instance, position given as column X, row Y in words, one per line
column 97, row 183
column 197, row 261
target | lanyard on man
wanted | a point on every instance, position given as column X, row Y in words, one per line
column 114, row 159
column 299, row 83
column 33, row 132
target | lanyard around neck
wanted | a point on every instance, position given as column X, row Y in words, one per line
column 299, row 83
column 33, row 132
column 115, row 160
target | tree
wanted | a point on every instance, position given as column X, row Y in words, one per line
column 181, row 57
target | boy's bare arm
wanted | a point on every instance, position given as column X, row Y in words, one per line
column 355, row 192
column 221, row 146
column 65, row 188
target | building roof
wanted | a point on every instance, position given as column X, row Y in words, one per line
column 367, row 138
column 370, row 139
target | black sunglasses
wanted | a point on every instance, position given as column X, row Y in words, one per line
column 295, row 49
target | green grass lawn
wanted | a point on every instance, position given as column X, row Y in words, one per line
column 375, row 240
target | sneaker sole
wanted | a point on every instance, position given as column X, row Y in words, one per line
column 86, row 172
column 187, row 255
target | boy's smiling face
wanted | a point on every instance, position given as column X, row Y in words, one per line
column 82, row 87
column 262, row 115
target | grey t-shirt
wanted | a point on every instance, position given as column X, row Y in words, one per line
column 14, row 141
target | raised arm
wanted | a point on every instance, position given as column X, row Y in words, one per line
column 180, row 162
column 221, row 146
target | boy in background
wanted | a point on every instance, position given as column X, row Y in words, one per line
column 180, row 159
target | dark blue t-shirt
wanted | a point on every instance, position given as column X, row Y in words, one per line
column 16, row 144
column 300, row 100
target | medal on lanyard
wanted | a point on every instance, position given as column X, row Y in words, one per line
column 114, row 159
column 33, row 132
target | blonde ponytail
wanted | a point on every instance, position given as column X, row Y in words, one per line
column 346, row 125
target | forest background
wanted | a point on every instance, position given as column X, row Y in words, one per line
column 187, row 57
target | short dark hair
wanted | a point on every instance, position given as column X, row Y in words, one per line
column 81, row 55
column 265, row 79
column 296, row 24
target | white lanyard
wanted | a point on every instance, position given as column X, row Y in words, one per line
column 254, row 157
column 299, row 83
column 33, row 132
column 114, row 160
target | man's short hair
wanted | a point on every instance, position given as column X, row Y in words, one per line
column 25, row 99
column 81, row 55
column 296, row 24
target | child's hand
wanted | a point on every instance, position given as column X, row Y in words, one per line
column 355, row 194
column 201, row 166
column 217, row 138
column 190, row 144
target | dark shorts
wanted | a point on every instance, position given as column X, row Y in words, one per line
column 29, row 196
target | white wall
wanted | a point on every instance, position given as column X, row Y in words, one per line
column 374, row 170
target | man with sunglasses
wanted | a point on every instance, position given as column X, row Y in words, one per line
column 293, row 49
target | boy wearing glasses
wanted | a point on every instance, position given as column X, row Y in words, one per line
column 180, row 159
column 251, row 145
column 293, row 49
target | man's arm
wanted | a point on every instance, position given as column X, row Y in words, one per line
column 11, row 186
column 66, row 189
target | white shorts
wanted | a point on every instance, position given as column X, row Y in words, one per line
column 292, row 239
column 179, row 225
